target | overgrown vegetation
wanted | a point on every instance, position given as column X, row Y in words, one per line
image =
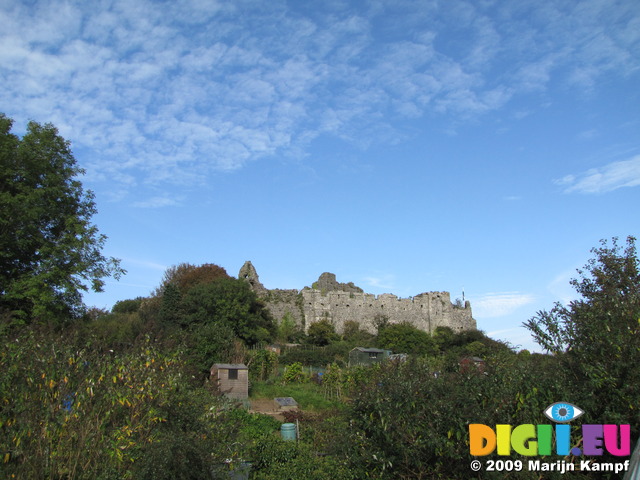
column 92, row 394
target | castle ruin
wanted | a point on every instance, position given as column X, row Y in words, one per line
column 327, row 299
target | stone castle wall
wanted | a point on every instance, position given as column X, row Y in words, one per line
column 340, row 303
column 425, row 311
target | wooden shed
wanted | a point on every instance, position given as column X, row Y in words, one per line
column 232, row 379
column 367, row 356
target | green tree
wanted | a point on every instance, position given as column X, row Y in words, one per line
column 49, row 249
column 353, row 333
column 185, row 276
column 127, row 306
column 444, row 338
column 405, row 338
column 229, row 302
column 288, row 330
column 321, row 333
column 598, row 336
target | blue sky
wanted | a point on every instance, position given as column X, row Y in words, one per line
column 406, row 146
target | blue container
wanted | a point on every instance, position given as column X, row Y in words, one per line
column 288, row 431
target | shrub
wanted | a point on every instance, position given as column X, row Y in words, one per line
column 293, row 373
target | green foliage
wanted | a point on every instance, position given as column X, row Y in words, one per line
column 127, row 306
column 50, row 250
column 597, row 337
column 208, row 344
column 232, row 303
column 262, row 364
column 409, row 423
column 288, row 330
column 68, row 412
column 170, row 314
column 444, row 338
column 321, row 333
column 353, row 334
column 309, row 355
column 454, row 346
column 252, row 425
column 188, row 444
column 293, row 373
column 405, row 338
column 339, row 383
column 185, row 276
column 333, row 381
column 476, row 349
column 115, row 331
column 276, row 459
column 210, row 317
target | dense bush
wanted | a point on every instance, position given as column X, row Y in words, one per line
column 321, row 333
column 275, row 459
column 411, row 424
column 317, row 356
column 406, row 338
column 69, row 412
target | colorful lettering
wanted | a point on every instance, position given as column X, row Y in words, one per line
column 482, row 439
column 612, row 440
column 530, row 440
column 523, row 440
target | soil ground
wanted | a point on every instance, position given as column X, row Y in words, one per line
column 266, row 407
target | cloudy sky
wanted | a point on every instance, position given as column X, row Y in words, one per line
column 407, row 146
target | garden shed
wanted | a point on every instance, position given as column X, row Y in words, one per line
column 367, row 356
column 232, row 379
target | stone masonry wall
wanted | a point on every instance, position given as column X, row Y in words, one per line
column 285, row 302
column 340, row 303
column 425, row 311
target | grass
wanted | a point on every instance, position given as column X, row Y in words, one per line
column 310, row 397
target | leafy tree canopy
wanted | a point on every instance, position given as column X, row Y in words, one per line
column 49, row 249
column 227, row 302
column 127, row 306
column 185, row 276
column 598, row 336
column 405, row 338
column 288, row 330
column 354, row 334
column 321, row 333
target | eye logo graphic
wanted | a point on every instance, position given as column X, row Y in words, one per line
column 563, row 412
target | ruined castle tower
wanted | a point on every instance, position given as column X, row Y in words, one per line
column 249, row 274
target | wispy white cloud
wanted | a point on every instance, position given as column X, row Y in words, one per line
column 157, row 202
column 615, row 175
column 159, row 96
column 380, row 282
column 147, row 264
column 499, row 304
column 588, row 134
column 560, row 286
